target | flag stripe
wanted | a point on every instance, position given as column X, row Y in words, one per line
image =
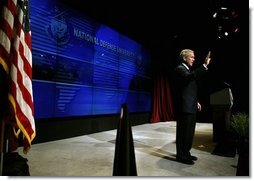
column 25, row 51
column 18, row 20
column 8, row 16
column 5, row 42
column 11, row 5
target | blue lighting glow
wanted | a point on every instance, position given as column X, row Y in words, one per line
column 82, row 67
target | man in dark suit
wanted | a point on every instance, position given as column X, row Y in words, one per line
column 185, row 101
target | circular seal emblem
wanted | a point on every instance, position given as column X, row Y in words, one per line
column 58, row 29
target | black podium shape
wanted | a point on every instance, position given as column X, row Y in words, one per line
column 222, row 98
column 124, row 160
column 221, row 103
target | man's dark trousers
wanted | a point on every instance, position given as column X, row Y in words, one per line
column 184, row 134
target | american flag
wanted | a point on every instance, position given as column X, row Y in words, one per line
column 16, row 59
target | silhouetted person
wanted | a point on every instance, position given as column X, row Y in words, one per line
column 185, row 102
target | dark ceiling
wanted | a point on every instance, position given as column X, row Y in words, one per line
column 157, row 24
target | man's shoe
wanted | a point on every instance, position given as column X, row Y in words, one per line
column 185, row 160
column 194, row 158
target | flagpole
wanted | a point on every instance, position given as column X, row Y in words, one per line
column 2, row 146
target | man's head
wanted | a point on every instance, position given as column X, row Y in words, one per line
column 187, row 56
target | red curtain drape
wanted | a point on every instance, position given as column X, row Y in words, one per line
column 162, row 100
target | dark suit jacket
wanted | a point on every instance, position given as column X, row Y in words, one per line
column 184, row 89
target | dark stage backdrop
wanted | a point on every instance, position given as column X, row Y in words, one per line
column 82, row 67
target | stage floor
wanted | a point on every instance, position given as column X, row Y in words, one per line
column 93, row 154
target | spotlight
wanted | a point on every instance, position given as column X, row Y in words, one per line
column 215, row 15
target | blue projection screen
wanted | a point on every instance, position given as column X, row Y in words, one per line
column 82, row 67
